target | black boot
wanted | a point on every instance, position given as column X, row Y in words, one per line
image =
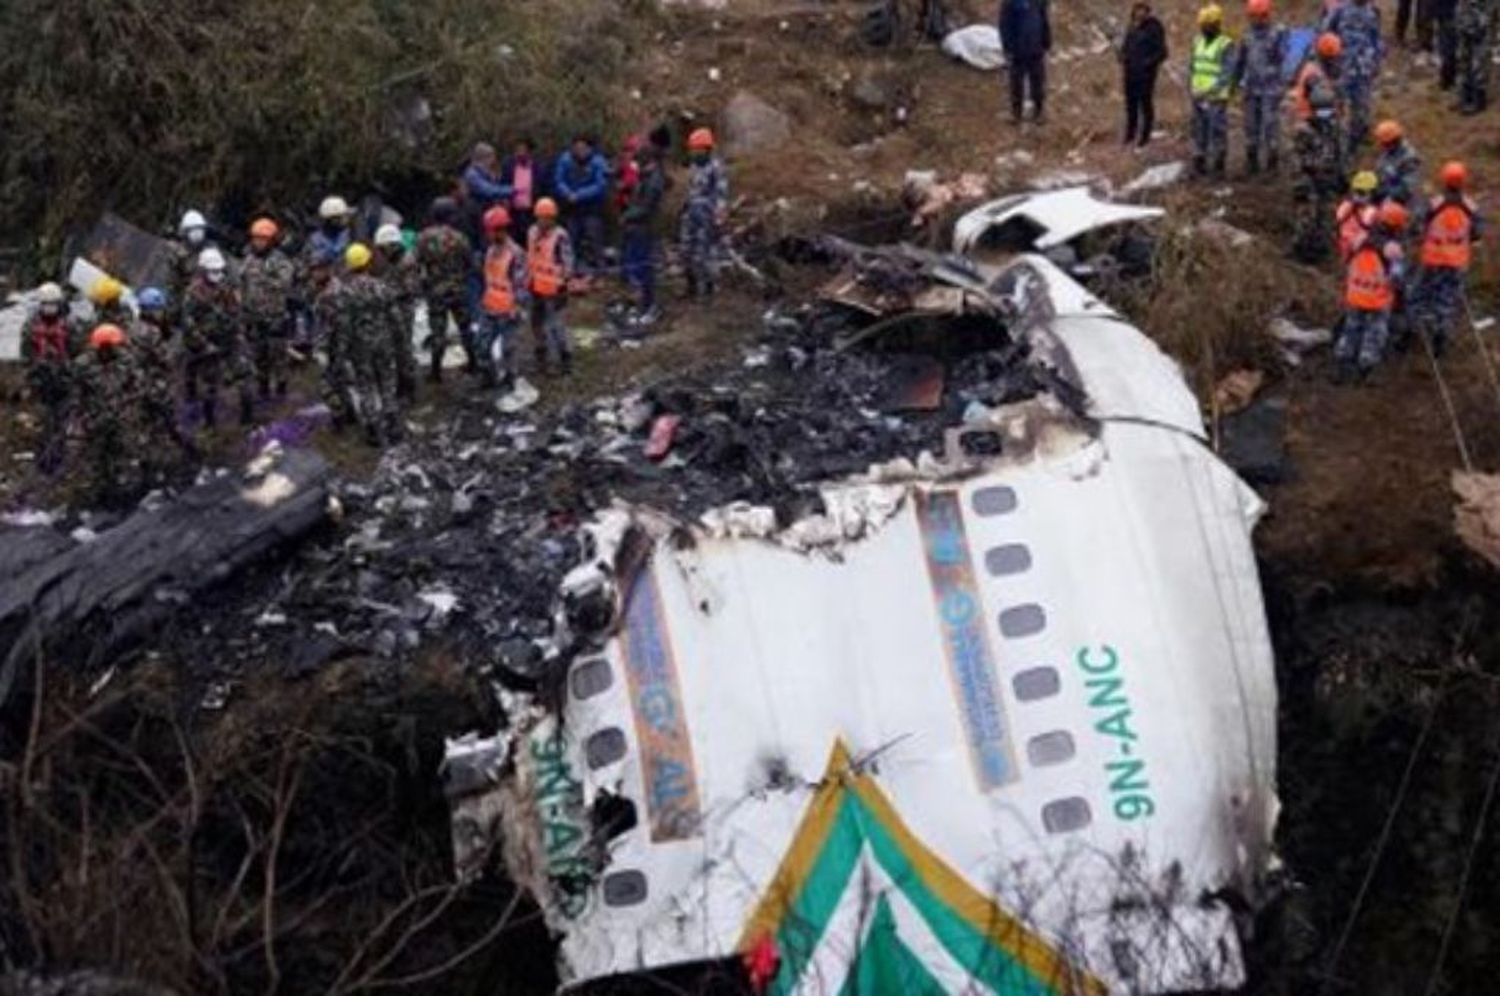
column 1252, row 161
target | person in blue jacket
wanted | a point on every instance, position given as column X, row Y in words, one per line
column 1026, row 38
column 581, row 184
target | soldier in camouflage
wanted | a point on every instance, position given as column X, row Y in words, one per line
column 399, row 270
column 1258, row 62
column 700, row 228
column 1357, row 25
column 1321, row 176
column 1398, row 168
column 325, row 285
column 155, row 350
column 192, row 239
column 107, row 295
column 1475, row 23
column 214, row 339
column 362, row 314
column 108, row 391
column 47, row 346
column 267, row 279
column 445, row 259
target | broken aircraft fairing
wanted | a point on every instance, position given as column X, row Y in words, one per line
column 1006, row 726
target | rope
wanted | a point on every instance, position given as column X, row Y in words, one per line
column 1385, row 836
column 1437, row 373
column 1484, row 350
column 1463, row 878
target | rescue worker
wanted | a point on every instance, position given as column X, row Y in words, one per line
column 1398, row 168
column 1321, row 67
column 1357, row 25
column 1445, row 25
column 192, row 238
column 107, row 392
column 500, row 305
column 332, row 237
column 325, row 284
column 47, row 346
column 1142, row 51
column 581, row 182
column 107, row 295
column 1371, row 279
column 398, row 268
column 1475, row 23
column 1321, row 176
column 214, row 339
column 1210, row 78
column 1450, row 229
column 1355, row 215
column 1258, row 75
column 363, row 311
column 639, row 220
column 700, row 228
column 1025, row 29
column 267, row 285
column 154, row 349
column 444, row 259
column 549, row 267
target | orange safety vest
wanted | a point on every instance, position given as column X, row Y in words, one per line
column 1310, row 73
column 1450, row 230
column 499, row 296
column 541, row 260
column 1355, row 221
column 1368, row 284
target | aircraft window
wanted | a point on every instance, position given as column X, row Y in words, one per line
column 605, row 747
column 1050, row 748
column 626, row 888
column 1036, row 683
column 1022, row 620
column 1012, row 558
column 591, row 677
column 994, row 501
column 1064, row 815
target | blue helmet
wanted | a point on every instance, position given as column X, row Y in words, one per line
column 152, row 299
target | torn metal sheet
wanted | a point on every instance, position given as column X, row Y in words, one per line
column 1477, row 514
column 1043, row 221
column 1011, row 720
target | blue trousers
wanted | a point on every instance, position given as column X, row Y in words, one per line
column 640, row 264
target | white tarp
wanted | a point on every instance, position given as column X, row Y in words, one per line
column 1060, row 215
column 978, row 45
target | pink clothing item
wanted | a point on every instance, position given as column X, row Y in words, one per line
column 521, row 186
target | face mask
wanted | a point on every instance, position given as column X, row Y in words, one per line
column 195, row 236
column 214, row 276
column 49, row 310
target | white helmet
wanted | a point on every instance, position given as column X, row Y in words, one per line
column 191, row 220
column 211, row 260
column 388, row 235
column 332, row 208
column 49, row 293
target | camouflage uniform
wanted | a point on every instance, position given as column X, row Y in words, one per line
column 1358, row 26
column 325, row 305
column 1398, row 171
column 107, row 394
column 698, row 233
column 47, row 346
column 1321, row 180
column 184, row 268
column 361, row 311
column 445, row 260
column 214, row 345
column 157, row 360
column 1258, row 73
column 266, row 287
column 404, row 278
column 1475, row 22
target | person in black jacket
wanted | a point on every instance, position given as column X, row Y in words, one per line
column 1141, row 55
column 1443, row 15
column 1026, row 38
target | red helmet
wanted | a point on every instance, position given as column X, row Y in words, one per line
column 1257, row 9
column 1393, row 216
column 1330, row 46
column 701, row 140
column 1454, row 175
column 265, row 229
column 1388, row 132
column 106, row 335
column 546, row 208
column 496, row 219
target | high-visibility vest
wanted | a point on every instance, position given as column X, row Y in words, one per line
column 1355, row 221
column 1209, row 75
column 499, row 296
column 1368, row 284
column 1302, row 84
column 1449, row 232
column 49, row 341
column 541, row 261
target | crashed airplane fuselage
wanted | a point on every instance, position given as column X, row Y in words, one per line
column 996, row 722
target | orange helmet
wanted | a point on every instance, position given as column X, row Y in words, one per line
column 106, row 335
column 1388, row 132
column 496, row 219
column 1393, row 216
column 1454, row 175
column 701, row 140
column 546, row 208
column 1329, row 45
column 1258, row 9
column 264, row 229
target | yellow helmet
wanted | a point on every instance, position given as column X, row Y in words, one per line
column 357, row 257
column 1211, row 14
column 1364, row 182
column 106, row 290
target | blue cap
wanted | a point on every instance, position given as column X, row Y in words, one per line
column 152, row 299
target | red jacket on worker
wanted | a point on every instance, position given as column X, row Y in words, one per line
column 1370, row 280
